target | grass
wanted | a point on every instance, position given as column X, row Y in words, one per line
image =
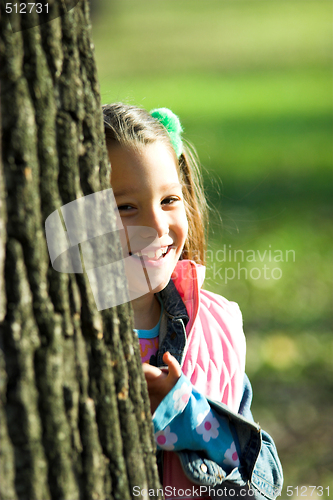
column 177, row 37
column 251, row 81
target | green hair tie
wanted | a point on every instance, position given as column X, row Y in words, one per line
column 172, row 124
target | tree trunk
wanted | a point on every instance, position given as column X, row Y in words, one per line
column 75, row 416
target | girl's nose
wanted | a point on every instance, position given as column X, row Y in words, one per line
column 157, row 220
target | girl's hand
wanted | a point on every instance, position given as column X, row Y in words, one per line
column 160, row 383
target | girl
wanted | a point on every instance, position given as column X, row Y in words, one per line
column 208, row 444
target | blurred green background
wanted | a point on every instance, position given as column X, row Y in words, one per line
column 252, row 84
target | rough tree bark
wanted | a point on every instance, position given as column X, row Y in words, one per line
column 75, row 418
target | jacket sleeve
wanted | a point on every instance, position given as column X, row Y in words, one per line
column 185, row 408
column 260, row 470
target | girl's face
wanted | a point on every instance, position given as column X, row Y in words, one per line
column 150, row 202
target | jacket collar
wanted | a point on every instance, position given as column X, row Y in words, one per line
column 181, row 304
column 172, row 302
column 188, row 278
column 184, row 286
column 188, row 270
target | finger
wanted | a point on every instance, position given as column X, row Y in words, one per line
column 173, row 365
column 150, row 372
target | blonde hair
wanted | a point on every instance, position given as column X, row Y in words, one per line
column 132, row 126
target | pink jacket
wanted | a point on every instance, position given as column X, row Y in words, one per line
column 214, row 359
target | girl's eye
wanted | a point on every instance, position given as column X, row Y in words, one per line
column 169, row 200
column 125, row 208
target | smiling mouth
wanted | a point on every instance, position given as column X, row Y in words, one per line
column 152, row 254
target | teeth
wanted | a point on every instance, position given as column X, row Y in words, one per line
column 152, row 255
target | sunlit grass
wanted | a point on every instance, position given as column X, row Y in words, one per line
column 176, row 37
column 254, row 122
